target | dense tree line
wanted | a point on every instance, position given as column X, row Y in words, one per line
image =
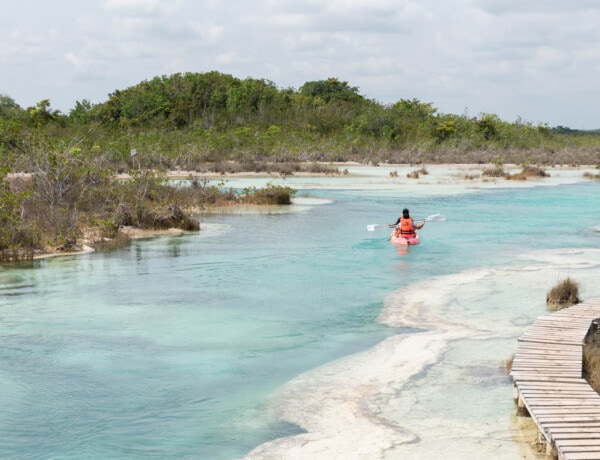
column 193, row 120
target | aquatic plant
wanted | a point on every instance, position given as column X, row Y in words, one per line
column 563, row 294
column 271, row 194
column 589, row 175
column 417, row 173
column 528, row 171
column 497, row 170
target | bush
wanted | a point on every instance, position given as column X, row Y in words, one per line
column 589, row 175
column 534, row 171
column 417, row 173
column 564, row 294
column 591, row 363
column 18, row 237
column 496, row 171
column 271, row 194
column 529, row 171
column 509, row 363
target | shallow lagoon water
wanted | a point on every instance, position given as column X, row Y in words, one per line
column 296, row 333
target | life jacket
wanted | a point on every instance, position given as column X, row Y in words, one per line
column 407, row 228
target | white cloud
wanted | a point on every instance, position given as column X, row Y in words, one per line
column 499, row 56
column 145, row 6
column 74, row 60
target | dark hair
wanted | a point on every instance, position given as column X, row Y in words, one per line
column 405, row 213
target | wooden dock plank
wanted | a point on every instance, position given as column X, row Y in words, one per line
column 539, row 375
column 560, row 435
column 583, row 456
column 572, row 426
column 534, row 377
column 547, row 418
column 550, row 387
column 547, row 374
column 574, row 432
column 574, row 443
column 587, row 403
column 580, row 382
column 549, row 347
column 558, row 411
column 554, row 398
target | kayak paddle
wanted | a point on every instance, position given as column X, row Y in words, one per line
column 433, row 218
column 371, row 228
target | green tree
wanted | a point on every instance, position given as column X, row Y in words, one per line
column 42, row 113
column 331, row 90
column 488, row 125
column 82, row 112
column 14, row 232
column 8, row 107
column 445, row 130
column 411, row 119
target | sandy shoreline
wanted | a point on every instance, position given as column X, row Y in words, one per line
column 132, row 233
column 345, row 168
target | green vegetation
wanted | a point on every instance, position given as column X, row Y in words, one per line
column 189, row 120
column 213, row 122
column 591, row 362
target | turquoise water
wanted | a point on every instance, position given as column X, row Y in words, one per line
column 177, row 347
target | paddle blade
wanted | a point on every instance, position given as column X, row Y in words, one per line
column 436, row 218
column 371, row 228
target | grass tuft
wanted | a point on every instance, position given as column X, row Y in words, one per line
column 564, row 294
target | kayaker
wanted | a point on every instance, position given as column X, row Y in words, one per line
column 405, row 226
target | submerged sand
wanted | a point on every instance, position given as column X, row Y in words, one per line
column 430, row 392
column 390, row 402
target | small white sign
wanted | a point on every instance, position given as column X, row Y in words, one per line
column 133, row 152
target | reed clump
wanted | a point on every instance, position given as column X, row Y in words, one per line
column 269, row 195
column 496, row 171
column 508, row 364
column 564, row 294
column 417, row 173
column 529, row 171
column 589, row 175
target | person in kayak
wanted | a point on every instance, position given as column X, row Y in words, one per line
column 405, row 227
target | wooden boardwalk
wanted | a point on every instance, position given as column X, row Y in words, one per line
column 548, row 382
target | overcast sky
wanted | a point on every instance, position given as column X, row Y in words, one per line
column 538, row 60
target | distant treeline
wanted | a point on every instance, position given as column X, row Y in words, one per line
column 192, row 120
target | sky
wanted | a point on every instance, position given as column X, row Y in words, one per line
column 535, row 61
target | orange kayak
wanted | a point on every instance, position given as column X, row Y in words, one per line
column 401, row 241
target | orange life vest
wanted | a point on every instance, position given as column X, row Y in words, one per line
column 407, row 228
